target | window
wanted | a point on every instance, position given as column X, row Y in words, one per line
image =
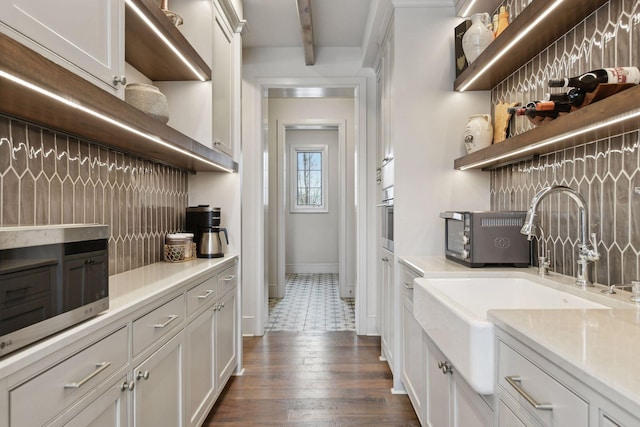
column 308, row 184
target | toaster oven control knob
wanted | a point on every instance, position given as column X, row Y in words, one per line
column 464, row 253
column 465, row 239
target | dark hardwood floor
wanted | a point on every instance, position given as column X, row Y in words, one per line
column 312, row 379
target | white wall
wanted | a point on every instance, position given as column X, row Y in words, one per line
column 311, row 239
column 428, row 122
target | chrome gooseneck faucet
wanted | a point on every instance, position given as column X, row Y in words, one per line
column 586, row 253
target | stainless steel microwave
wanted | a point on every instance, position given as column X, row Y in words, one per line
column 481, row 238
column 51, row 277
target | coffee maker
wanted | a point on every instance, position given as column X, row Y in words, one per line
column 204, row 222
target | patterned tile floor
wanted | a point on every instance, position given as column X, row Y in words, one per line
column 311, row 303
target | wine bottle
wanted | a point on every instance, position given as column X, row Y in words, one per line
column 574, row 97
column 532, row 113
column 560, row 107
column 589, row 81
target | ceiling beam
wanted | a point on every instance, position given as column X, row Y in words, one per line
column 306, row 30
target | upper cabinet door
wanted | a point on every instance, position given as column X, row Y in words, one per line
column 85, row 36
column 222, row 84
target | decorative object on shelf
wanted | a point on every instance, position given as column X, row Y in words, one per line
column 179, row 247
column 461, row 60
column 557, row 105
column 478, row 133
column 590, row 80
column 173, row 17
column 503, row 21
column 148, row 99
column 477, row 37
column 502, row 120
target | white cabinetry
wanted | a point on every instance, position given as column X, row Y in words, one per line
column 413, row 368
column 212, row 340
column 385, row 79
column 222, row 82
column 450, row 401
column 533, row 391
column 157, row 396
column 86, row 37
column 200, row 378
column 163, row 363
column 226, row 328
column 387, row 312
column 68, row 381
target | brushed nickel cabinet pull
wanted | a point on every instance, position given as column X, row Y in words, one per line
column 206, row 294
column 514, row 381
column 163, row 325
column 101, row 367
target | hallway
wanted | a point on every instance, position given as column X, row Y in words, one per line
column 311, row 303
column 312, row 379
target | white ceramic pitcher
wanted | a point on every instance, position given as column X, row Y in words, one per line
column 478, row 133
column 476, row 39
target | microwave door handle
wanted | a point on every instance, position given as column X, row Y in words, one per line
column 451, row 215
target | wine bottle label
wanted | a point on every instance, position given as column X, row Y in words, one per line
column 623, row 75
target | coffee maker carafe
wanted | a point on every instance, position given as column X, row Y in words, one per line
column 198, row 219
column 210, row 244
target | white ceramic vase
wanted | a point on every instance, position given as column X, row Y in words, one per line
column 478, row 133
column 476, row 39
column 148, row 99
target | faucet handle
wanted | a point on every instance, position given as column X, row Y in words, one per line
column 591, row 254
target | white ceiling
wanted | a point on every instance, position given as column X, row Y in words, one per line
column 275, row 23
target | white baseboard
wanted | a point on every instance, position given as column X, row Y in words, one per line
column 312, row 268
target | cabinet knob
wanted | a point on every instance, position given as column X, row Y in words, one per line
column 142, row 375
column 119, row 79
column 217, row 141
column 128, row 386
column 446, row 367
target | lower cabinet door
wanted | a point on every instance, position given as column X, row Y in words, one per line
column 108, row 410
column 469, row 409
column 157, row 396
column 226, row 332
column 200, row 377
column 438, row 402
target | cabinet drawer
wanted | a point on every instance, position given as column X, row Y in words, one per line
column 407, row 275
column 156, row 324
column 38, row 400
column 564, row 407
column 227, row 280
column 201, row 295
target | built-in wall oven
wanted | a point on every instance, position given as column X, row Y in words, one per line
column 51, row 277
column 387, row 218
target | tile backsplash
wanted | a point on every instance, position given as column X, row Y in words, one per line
column 605, row 172
column 51, row 178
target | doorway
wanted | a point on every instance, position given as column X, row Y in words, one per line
column 309, row 219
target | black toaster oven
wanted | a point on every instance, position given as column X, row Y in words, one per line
column 481, row 238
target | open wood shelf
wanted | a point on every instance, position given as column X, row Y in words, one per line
column 149, row 55
column 33, row 106
column 560, row 21
column 624, row 106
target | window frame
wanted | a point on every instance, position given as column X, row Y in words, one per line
column 294, row 150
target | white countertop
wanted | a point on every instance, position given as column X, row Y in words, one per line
column 128, row 292
column 599, row 347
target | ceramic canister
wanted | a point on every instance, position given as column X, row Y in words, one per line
column 476, row 39
column 478, row 133
column 148, row 99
